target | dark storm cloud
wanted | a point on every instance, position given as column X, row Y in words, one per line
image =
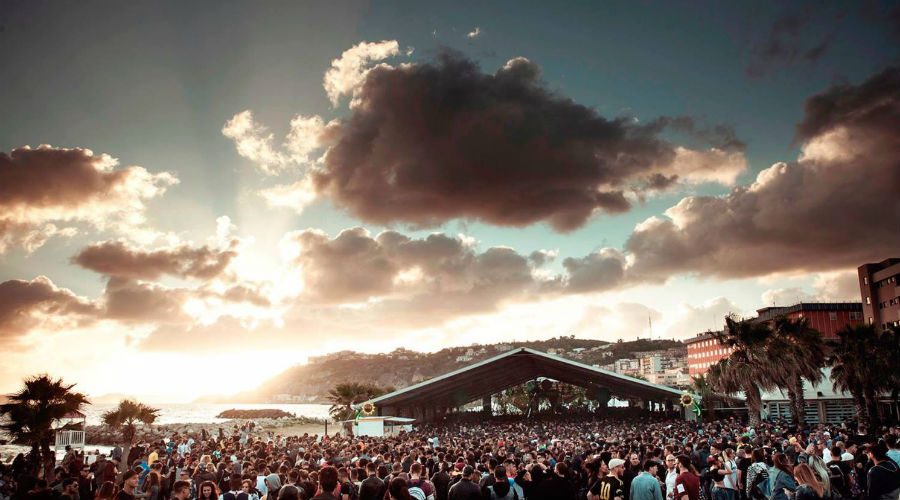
column 27, row 304
column 117, row 258
column 55, row 184
column 431, row 142
column 835, row 207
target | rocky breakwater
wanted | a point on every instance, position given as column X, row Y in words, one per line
column 105, row 435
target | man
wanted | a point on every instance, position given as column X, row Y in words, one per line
column 69, row 489
column 129, row 483
column 884, row 476
column 349, row 490
column 181, row 490
column 838, row 474
column 372, row 488
column 416, row 480
column 893, row 452
column 329, row 488
column 645, row 486
column 467, row 488
column 441, row 481
column 556, row 486
column 687, row 484
column 671, row 474
column 611, row 486
column 153, row 456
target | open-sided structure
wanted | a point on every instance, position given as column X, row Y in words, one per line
column 433, row 398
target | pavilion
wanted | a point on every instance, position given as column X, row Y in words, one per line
column 433, row 398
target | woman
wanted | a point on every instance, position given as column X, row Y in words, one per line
column 207, row 491
column 398, row 489
column 151, row 486
column 809, row 487
column 782, row 477
column 247, row 488
column 758, row 476
column 107, row 491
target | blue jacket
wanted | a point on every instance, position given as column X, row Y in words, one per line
column 781, row 480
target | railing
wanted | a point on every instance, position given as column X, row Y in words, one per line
column 74, row 439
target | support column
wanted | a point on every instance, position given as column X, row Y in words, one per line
column 486, row 407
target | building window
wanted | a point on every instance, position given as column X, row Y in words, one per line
column 832, row 316
column 871, row 321
column 865, row 280
column 868, row 301
column 855, row 315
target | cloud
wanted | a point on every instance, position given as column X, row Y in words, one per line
column 710, row 315
column 595, row 272
column 432, row 142
column 474, row 33
column 44, row 187
column 254, row 142
column 25, row 305
column 789, row 40
column 350, row 70
column 822, row 212
column 119, row 259
column 838, row 286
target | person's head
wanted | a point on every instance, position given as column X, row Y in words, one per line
column 781, row 462
column 108, row 490
column 246, row 485
column 758, row 455
column 399, row 489
column 671, row 461
column 181, row 490
column 70, row 485
column 185, row 476
column 561, row 469
column 651, row 466
column 468, row 472
column 634, row 461
column 328, row 479
column 130, row 479
column 289, row 492
column 415, row 469
column 371, row 468
column 729, row 453
column 878, row 452
column 617, row 467
column 805, row 475
column 208, row 490
column 684, row 464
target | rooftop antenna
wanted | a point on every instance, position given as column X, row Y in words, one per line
column 650, row 326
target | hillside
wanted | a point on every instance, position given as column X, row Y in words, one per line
column 402, row 367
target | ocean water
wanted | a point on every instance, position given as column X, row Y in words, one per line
column 175, row 413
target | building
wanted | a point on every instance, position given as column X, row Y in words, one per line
column 704, row 351
column 879, row 288
column 823, row 403
column 827, row 318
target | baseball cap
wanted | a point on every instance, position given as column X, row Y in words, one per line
column 616, row 462
column 846, row 457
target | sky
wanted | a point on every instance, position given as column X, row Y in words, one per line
column 192, row 190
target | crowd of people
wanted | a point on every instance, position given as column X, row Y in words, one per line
column 615, row 457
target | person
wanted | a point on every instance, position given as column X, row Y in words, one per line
column 502, row 489
column 757, row 483
column 247, row 489
column 441, row 481
column 373, row 487
column 687, row 484
column 349, row 490
column 398, row 490
column 107, row 491
column 181, row 490
column 893, row 443
column 729, row 485
column 208, row 491
column 611, row 486
column 328, row 488
column 467, row 487
column 671, row 474
column 556, row 486
column 645, row 486
column 273, row 484
column 838, row 475
column 152, row 486
column 129, row 483
column 782, row 477
column 289, row 492
column 808, row 485
column 417, row 481
column 69, row 489
column 883, row 478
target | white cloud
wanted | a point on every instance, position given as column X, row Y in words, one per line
column 350, row 70
column 474, row 33
column 254, row 142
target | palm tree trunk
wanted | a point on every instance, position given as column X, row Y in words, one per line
column 754, row 403
column 798, row 402
column 48, row 459
column 872, row 409
column 861, row 411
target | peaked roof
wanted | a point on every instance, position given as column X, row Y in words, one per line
column 514, row 367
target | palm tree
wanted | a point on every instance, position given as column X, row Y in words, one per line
column 861, row 364
column 32, row 412
column 804, row 352
column 126, row 417
column 750, row 367
column 344, row 395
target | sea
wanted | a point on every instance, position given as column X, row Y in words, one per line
column 177, row 413
column 195, row 413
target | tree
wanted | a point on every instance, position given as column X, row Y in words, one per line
column 750, row 367
column 344, row 395
column 32, row 413
column 862, row 362
column 126, row 417
column 804, row 354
